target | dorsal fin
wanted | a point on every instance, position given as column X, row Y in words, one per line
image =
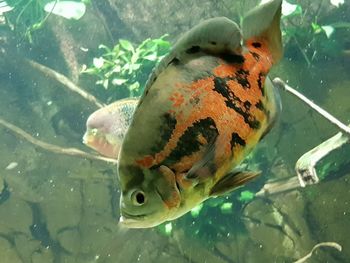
column 264, row 21
column 217, row 35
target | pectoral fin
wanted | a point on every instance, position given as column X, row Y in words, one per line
column 231, row 181
column 167, row 188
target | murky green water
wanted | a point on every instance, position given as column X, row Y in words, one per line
column 56, row 207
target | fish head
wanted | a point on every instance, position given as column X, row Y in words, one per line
column 149, row 198
column 104, row 143
column 106, row 127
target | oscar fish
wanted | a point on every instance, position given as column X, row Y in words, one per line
column 106, row 127
column 204, row 108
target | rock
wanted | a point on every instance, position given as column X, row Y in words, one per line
column 70, row 240
column 16, row 216
column 277, row 227
column 62, row 207
column 195, row 251
column 98, row 224
column 8, row 253
column 328, row 215
column 42, row 256
column 26, row 246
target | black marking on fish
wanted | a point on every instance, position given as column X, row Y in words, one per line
column 189, row 143
column 237, row 140
column 232, row 58
column 135, row 176
column 260, row 82
column 168, row 125
column 256, row 56
column 194, row 101
column 193, row 49
column 247, row 105
column 233, row 102
column 174, row 61
column 259, row 105
column 213, row 43
column 242, row 78
column 256, row 44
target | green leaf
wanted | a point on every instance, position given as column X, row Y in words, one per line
column 98, row 62
column 328, row 30
column 196, row 210
column 214, row 202
column 134, row 57
column 118, row 82
column 103, row 82
column 168, row 228
column 246, row 196
column 135, row 66
column 337, row 3
column 289, row 9
column 151, row 57
column 226, row 208
column 126, row 45
column 134, row 86
column 317, row 28
column 4, row 7
column 66, row 9
column 101, row 46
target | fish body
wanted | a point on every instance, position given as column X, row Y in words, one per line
column 204, row 108
column 106, row 127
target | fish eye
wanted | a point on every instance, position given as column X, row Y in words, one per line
column 138, row 197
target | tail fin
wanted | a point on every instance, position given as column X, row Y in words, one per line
column 264, row 21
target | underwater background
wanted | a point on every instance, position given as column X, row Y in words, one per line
column 56, row 207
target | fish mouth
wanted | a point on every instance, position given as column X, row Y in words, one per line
column 132, row 221
column 127, row 215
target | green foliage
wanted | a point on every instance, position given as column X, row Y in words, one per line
column 126, row 66
column 26, row 16
column 303, row 31
column 246, row 196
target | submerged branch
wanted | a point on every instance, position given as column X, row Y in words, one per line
column 306, row 165
column 277, row 187
column 281, row 84
column 323, row 244
column 54, row 148
column 66, row 82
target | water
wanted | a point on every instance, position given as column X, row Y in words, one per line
column 60, row 208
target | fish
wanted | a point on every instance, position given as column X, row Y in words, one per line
column 106, row 127
column 204, row 108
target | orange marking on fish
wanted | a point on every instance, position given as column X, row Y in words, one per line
column 146, row 162
column 213, row 105
column 186, row 162
column 224, row 70
column 177, row 99
column 173, row 201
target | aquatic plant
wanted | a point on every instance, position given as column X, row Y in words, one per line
column 127, row 66
column 305, row 32
column 24, row 17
